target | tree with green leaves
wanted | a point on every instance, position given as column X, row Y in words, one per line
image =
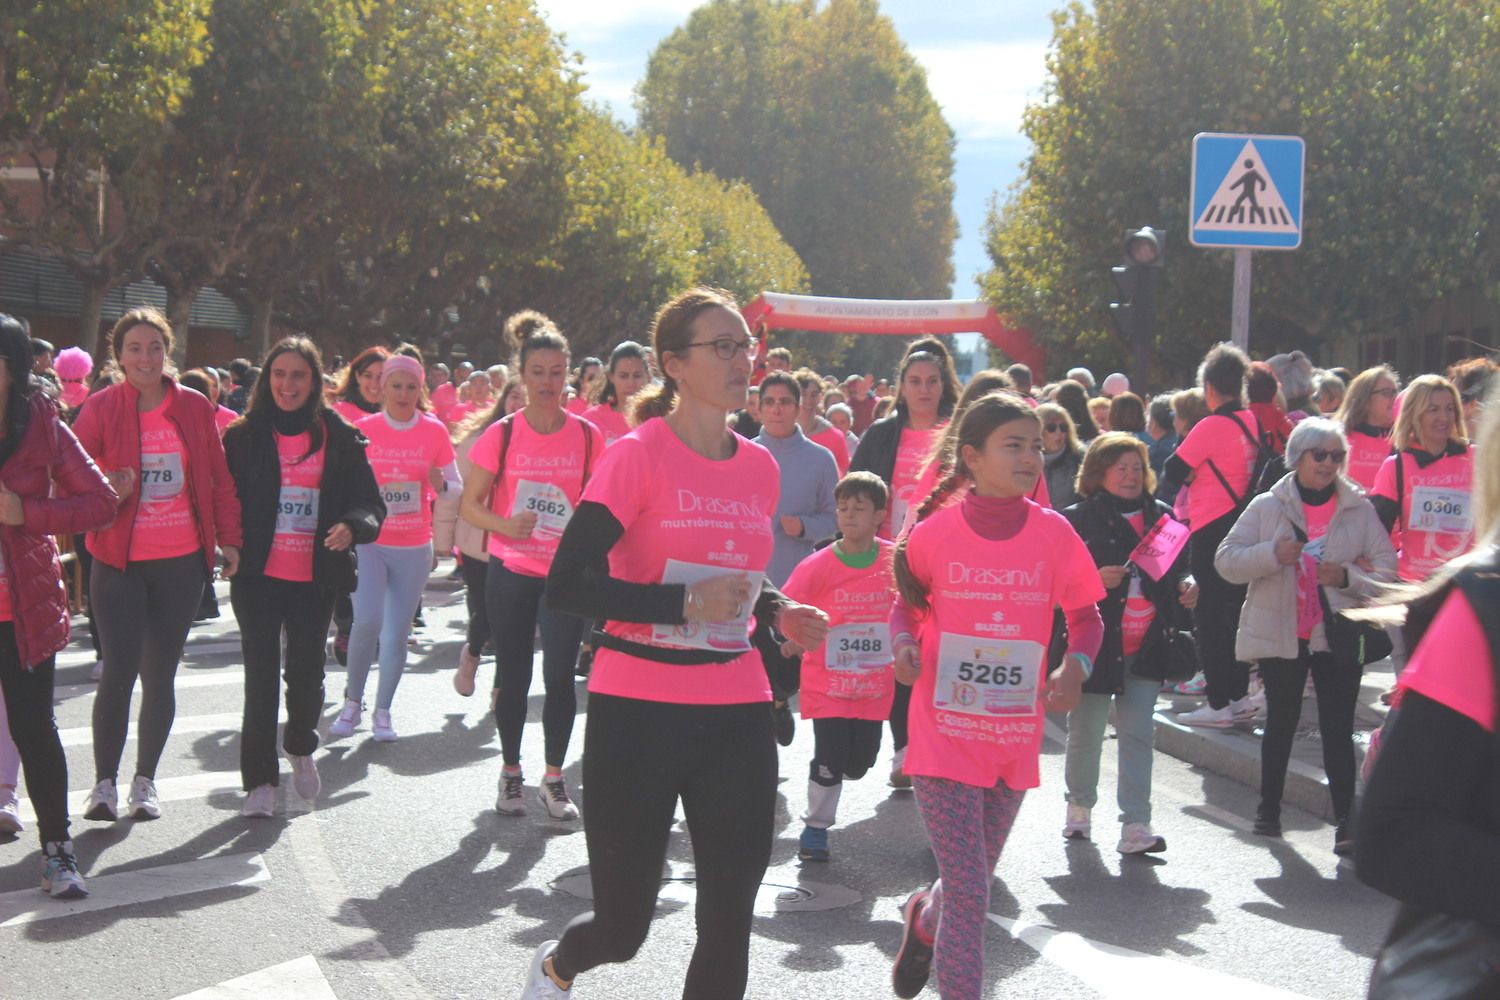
column 821, row 109
column 1395, row 99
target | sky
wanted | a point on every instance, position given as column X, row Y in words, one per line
column 985, row 59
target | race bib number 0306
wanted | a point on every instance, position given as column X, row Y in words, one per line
column 987, row 677
column 1448, row 512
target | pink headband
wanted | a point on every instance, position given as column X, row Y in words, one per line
column 400, row 363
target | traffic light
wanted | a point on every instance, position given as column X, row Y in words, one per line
column 1126, row 277
column 1134, row 309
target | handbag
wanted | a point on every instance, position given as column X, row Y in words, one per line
column 1359, row 643
column 1172, row 657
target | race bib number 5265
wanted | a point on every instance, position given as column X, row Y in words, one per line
column 988, row 677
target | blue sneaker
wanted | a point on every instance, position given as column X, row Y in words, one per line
column 813, row 844
column 60, row 878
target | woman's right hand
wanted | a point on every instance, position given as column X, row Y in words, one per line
column 1288, row 551
column 520, row 526
column 123, row 482
column 717, row 599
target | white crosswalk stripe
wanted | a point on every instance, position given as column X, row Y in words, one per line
column 143, row 885
column 300, row 978
column 183, row 789
column 84, row 735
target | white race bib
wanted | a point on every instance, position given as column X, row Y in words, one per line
column 721, row 637
column 1446, row 511
column 1134, row 590
column 987, row 677
column 860, row 647
column 402, row 498
column 161, row 475
column 548, row 502
column 297, row 511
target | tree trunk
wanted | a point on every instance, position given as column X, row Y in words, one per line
column 180, row 314
column 260, row 323
column 91, row 312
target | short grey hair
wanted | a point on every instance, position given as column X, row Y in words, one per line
column 1314, row 432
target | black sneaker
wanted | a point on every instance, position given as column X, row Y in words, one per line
column 1343, row 839
column 1267, row 824
column 786, row 726
column 585, row 663
column 914, row 958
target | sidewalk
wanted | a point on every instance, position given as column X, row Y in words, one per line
column 1235, row 752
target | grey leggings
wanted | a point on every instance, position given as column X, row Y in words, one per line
column 391, row 578
column 143, row 614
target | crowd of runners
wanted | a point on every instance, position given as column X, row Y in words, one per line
column 719, row 541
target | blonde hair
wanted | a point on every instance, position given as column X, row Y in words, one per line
column 1051, row 411
column 1418, row 395
column 1355, row 409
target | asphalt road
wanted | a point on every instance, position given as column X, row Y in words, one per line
column 404, row 883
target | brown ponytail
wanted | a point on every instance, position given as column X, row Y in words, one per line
column 671, row 333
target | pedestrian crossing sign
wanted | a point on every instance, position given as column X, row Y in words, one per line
column 1246, row 191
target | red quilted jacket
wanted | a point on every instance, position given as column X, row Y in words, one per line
column 49, row 454
column 109, row 427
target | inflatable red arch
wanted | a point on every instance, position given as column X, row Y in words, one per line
column 894, row 317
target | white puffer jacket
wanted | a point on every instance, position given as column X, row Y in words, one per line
column 449, row 529
column 1268, row 619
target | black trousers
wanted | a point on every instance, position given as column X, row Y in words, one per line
column 844, row 748
column 784, row 672
column 1216, row 619
column 266, row 608
column 28, row 704
column 516, row 611
column 639, row 758
column 1337, row 687
column 143, row 614
column 900, row 707
column 476, row 572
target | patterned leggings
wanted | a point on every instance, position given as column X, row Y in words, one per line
column 967, row 827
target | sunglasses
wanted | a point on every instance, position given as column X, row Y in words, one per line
column 1054, row 428
column 1322, row 455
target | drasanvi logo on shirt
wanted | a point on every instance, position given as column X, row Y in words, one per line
column 525, row 461
column 691, row 502
column 995, row 576
column 844, row 596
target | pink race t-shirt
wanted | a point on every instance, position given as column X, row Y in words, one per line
column 459, row 414
column 544, row 473
column 833, row 439
column 1437, row 510
column 850, row 675
column 1139, row 611
column 577, row 405
column 1309, row 607
column 1367, row 453
column 912, row 455
column 165, row 526
column 443, row 399
column 611, row 422
column 223, row 417
column 291, row 554
column 401, row 461
column 1219, row 439
column 1448, row 666
column 685, row 518
column 976, row 712
column 349, row 411
column 1039, row 494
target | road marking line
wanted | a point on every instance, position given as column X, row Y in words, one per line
column 1120, row 972
column 143, row 885
column 84, row 735
column 181, row 789
column 299, row 978
column 184, row 682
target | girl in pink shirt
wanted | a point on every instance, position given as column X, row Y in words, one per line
column 1367, row 413
column 627, row 374
column 413, row 460
column 528, row 474
column 980, row 683
column 668, row 551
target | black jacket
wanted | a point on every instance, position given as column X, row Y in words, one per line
column 348, row 495
column 877, row 448
column 1110, row 540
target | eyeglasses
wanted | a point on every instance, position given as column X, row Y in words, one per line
column 1054, row 428
column 1321, row 455
column 727, row 347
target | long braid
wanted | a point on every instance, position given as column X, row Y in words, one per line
column 911, row 590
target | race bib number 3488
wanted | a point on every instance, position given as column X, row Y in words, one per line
column 987, row 677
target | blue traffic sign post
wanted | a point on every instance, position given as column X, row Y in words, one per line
column 1246, row 196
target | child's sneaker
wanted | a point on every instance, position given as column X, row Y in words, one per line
column 60, row 878
column 347, row 720
column 813, row 844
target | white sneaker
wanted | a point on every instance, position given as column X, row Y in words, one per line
column 1256, row 703
column 381, row 727
column 103, row 803
column 260, row 803
column 10, row 812
column 305, row 776
column 511, row 800
column 1211, row 718
column 1077, row 826
column 539, row 985
column 143, row 803
column 60, row 877
column 1139, row 838
column 347, row 721
column 899, row 777
column 468, row 666
column 552, row 793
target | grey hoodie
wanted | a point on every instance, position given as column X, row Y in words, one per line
column 808, row 476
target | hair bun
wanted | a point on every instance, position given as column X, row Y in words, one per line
column 524, row 325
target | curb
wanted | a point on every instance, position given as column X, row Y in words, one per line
column 1235, row 754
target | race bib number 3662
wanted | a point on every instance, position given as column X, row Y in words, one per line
column 987, row 677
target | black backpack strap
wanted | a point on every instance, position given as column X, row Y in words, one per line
column 1259, row 446
column 1401, row 489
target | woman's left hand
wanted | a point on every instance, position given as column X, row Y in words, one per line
column 435, row 477
column 804, row 624
column 339, row 538
column 1331, row 574
column 1064, row 686
column 12, row 511
column 231, row 560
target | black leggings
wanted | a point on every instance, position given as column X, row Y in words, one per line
column 844, row 748
column 515, row 610
column 639, row 758
column 476, row 572
column 1338, row 691
column 265, row 607
column 28, row 704
column 1217, row 617
column 144, row 614
column 900, row 707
